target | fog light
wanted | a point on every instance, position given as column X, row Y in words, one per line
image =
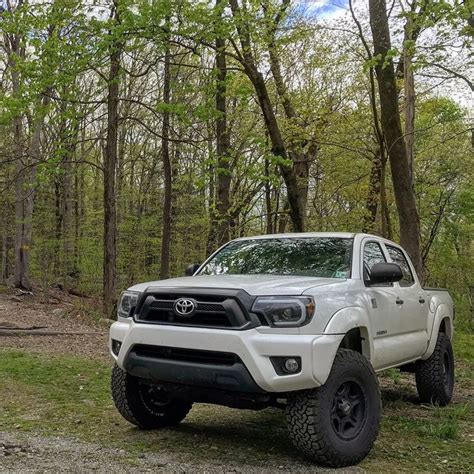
column 116, row 345
column 286, row 365
column 291, row 366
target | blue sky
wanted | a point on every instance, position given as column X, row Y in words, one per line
column 323, row 8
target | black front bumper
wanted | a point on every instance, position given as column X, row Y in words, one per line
column 204, row 369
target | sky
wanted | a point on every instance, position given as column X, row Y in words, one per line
column 325, row 9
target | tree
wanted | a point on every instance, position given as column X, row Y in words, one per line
column 165, row 155
column 224, row 172
column 287, row 166
column 390, row 118
column 110, row 165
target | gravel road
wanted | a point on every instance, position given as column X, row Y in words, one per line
column 25, row 453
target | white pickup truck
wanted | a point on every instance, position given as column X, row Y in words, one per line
column 298, row 321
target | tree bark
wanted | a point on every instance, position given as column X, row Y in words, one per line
column 409, row 87
column 110, row 165
column 373, row 195
column 390, row 119
column 21, row 275
column 167, row 178
column 384, row 209
column 211, row 235
column 224, row 173
column 268, row 201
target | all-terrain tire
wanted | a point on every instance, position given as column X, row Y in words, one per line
column 313, row 415
column 143, row 404
column 435, row 375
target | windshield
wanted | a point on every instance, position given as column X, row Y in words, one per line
column 328, row 257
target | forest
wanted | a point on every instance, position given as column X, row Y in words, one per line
column 138, row 136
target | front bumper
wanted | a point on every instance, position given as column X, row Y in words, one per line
column 253, row 347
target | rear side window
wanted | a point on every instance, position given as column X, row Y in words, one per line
column 399, row 258
column 372, row 254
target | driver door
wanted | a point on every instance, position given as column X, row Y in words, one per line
column 381, row 301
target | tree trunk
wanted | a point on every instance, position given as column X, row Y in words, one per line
column 211, row 235
column 224, row 173
column 384, row 210
column 268, row 201
column 21, row 272
column 165, row 155
column 110, row 164
column 21, row 276
column 390, row 119
column 373, row 195
column 25, row 192
column 6, row 229
column 409, row 86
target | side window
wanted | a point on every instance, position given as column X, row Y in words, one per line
column 372, row 254
column 397, row 256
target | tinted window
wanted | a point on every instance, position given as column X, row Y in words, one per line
column 372, row 254
column 313, row 257
column 399, row 258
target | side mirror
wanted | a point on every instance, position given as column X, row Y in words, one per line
column 191, row 269
column 385, row 273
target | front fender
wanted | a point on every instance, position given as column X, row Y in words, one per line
column 353, row 317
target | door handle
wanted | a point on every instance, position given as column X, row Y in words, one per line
column 399, row 301
column 421, row 300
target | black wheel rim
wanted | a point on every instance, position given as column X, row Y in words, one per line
column 348, row 410
column 154, row 398
column 447, row 371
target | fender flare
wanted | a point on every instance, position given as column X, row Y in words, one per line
column 442, row 313
column 353, row 317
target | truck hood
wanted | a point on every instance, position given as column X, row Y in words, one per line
column 256, row 285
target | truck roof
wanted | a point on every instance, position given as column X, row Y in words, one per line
column 342, row 235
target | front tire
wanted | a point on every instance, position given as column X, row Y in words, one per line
column 435, row 375
column 336, row 424
column 145, row 405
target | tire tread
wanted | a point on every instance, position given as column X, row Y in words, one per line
column 309, row 436
column 429, row 376
column 130, row 407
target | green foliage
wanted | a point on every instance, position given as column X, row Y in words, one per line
column 65, row 50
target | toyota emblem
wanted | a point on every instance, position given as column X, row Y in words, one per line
column 184, row 307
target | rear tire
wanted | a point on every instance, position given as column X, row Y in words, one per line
column 336, row 424
column 145, row 405
column 435, row 375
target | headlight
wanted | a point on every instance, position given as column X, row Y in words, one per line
column 285, row 311
column 127, row 303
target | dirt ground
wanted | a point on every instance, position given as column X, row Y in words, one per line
column 43, row 454
column 64, row 315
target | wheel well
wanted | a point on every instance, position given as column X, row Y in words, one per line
column 357, row 340
column 445, row 327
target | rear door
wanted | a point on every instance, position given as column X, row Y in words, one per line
column 413, row 305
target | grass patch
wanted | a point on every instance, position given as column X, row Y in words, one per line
column 442, row 423
column 70, row 396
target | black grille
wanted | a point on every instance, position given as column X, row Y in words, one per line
column 212, row 310
column 186, row 355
